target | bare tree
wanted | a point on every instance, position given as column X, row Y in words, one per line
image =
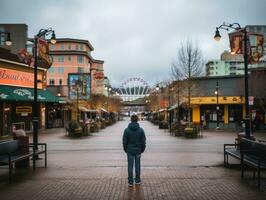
column 189, row 64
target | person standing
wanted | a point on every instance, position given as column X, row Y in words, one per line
column 134, row 144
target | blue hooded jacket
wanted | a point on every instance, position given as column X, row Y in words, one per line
column 134, row 139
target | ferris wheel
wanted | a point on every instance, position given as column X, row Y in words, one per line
column 134, row 88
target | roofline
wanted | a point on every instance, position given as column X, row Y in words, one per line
column 70, row 40
column 98, row 61
column 76, row 40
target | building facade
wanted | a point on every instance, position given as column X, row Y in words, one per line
column 18, row 35
column 16, row 95
column 229, row 64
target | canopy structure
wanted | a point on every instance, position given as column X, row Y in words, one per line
column 11, row 93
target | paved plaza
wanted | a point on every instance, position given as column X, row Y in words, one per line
column 94, row 167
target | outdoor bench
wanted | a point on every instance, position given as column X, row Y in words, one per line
column 250, row 153
column 12, row 152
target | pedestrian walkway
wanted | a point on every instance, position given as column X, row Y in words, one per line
column 94, row 167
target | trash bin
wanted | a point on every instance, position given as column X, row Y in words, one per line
column 23, row 139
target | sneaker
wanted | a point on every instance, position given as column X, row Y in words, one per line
column 130, row 185
column 138, row 183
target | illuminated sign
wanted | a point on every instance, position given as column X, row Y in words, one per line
column 18, row 78
column 23, row 109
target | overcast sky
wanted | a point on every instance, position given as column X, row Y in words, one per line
column 136, row 38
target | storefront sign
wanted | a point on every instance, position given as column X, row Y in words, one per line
column 23, row 109
column 18, row 78
column 213, row 100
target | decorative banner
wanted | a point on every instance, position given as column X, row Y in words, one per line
column 79, row 83
column 18, row 78
column 256, row 50
column 43, row 52
column 25, row 57
column 98, row 75
column 236, row 42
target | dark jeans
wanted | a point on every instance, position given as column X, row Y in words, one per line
column 131, row 158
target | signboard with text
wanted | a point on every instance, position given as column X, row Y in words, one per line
column 18, row 78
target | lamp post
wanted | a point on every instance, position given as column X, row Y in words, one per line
column 8, row 41
column 42, row 33
column 217, row 105
column 157, row 90
column 109, row 89
column 217, row 37
column 78, row 84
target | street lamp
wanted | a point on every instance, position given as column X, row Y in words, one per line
column 217, row 37
column 109, row 89
column 157, row 90
column 8, row 41
column 217, row 104
column 78, row 84
column 42, row 33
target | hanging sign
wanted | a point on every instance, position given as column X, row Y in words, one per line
column 255, row 44
column 43, row 52
column 236, row 42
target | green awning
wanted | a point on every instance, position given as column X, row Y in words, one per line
column 10, row 93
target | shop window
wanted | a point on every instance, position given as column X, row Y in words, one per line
column 210, row 113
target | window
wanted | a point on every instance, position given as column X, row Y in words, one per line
column 2, row 36
column 60, row 81
column 60, row 58
column 80, row 69
column 69, row 46
column 51, row 82
column 81, row 47
column 77, row 47
column 52, row 46
column 80, row 59
column 60, row 70
column 62, row 46
column 51, row 70
column 69, row 58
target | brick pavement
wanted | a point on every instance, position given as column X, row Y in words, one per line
column 95, row 168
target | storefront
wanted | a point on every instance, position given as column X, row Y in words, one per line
column 17, row 94
column 230, row 111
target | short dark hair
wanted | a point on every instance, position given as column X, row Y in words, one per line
column 134, row 118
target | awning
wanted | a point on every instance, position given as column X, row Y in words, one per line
column 102, row 109
column 10, row 93
column 173, row 107
column 84, row 109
